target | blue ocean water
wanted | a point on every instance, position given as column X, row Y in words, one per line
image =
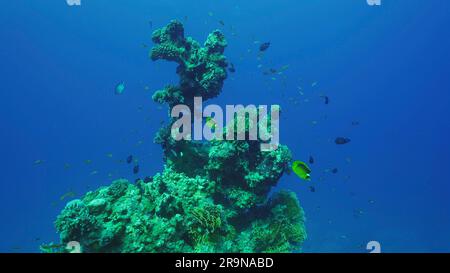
column 384, row 69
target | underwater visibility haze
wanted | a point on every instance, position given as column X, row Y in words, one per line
column 89, row 153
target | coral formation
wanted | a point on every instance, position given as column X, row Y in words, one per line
column 210, row 197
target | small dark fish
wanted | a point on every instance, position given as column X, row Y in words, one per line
column 311, row 159
column 129, row 159
column 355, row 123
column 232, row 69
column 221, row 22
column 136, row 169
column 326, row 99
column 264, row 46
column 150, row 24
column 341, row 140
column 148, row 179
column 312, row 189
column 335, row 170
column 270, row 71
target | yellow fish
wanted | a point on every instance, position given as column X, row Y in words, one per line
column 302, row 170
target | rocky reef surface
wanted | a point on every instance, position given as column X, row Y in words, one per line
column 211, row 196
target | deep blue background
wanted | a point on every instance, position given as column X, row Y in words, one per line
column 386, row 67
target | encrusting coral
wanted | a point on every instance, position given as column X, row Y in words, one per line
column 210, row 197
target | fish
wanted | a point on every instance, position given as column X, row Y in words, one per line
column 148, row 179
column 284, row 68
column 334, row 171
column 221, row 22
column 271, row 71
column 38, row 162
column 110, row 155
column 120, row 88
column 341, row 140
column 357, row 213
column 66, row 166
column 130, row 159
column 312, row 189
column 52, row 246
column 326, row 99
column 301, row 170
column 231, row 68
column 87, row 161
column 94, row 173
column 355, row 123
column 264, row 46
column 69, row 194
column 311, row 159
column 136, row 169
column 313, row 84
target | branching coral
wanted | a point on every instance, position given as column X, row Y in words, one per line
column 210, row 196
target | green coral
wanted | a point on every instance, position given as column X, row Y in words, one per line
column 284, row 232
column 209, row 197
column 208, row 217
column 202, row 70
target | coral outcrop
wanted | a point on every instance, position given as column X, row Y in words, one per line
column 211, row 196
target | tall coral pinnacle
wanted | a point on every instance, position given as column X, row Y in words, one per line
column 210, row 196
column 202, row 70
